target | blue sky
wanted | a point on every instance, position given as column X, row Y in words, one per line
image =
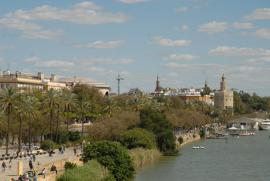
column 185, row 42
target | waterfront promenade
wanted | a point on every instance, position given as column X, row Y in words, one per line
column 42, row 161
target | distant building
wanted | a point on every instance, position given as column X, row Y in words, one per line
column 27, row 82
column 193, row 95
column 71, row 82
column 223, row 98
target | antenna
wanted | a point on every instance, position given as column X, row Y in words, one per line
column 119, row 78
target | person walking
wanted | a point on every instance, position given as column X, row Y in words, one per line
column 53, row 168
column 4, row 166
column 43, row 172
column 31, row 164
column 34, row 158
column 75, row 151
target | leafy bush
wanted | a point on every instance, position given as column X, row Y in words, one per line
column 70, row 165
column 47, row 145
column 113, row 156
column 157, row 123
column 74, row 136
column 91, row 171
column 138, row 137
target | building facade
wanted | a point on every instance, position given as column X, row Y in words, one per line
column 26, row 82
column 224, row 97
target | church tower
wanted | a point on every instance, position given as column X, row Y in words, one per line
column 223, row 83
column 157, row 85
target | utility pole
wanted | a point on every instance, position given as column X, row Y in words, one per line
column 119, row 78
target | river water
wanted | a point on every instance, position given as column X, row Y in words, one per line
column 237, row 159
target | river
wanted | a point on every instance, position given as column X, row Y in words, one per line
column 237, row 159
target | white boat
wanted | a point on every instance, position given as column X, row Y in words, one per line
column 198, row 147
column 265, row 125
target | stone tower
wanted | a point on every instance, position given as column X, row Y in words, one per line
column 224, row 97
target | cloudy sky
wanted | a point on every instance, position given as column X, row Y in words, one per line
column 185, row 42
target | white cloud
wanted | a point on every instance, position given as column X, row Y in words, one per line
column 38, row 62
column 76, row 64
column 259, row 14
column 263, row 33
column 182, row 9
column 133, row 1
column 235, row 51
column 81, row 13
column 181, row 57
column 240, row 25
column 101, row 44
column 184, row 28
column 42, row 34
column 170, row 43
column 213, row 27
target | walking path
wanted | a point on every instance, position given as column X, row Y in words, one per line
column 42, row 161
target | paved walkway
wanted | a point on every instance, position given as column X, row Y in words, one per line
column 42, row 161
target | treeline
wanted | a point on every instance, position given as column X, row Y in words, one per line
column 119, row 123
column 245, row 103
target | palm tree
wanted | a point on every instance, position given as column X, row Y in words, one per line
column 8, row 97
column 31, row 112
column 50, row 104
column 69, row 101
column 20, row 109
column 83, row 107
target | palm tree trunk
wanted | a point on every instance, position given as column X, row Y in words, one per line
column 8, row 128
column 20, row 134
column 51, row 118
column 57, row 126
column 82, row 119
column 29, row 133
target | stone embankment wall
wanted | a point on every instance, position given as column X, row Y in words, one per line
column 187, row 138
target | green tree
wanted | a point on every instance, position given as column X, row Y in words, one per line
column 158, row 124
column 113, row 156
column 8, row 98
column 138, row 137
column 50, row 102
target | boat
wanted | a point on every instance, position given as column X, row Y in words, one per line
column 265, row 125
column 198, row 147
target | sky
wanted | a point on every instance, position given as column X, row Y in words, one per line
column 185, row 42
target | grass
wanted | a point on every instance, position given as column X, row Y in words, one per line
column 142, row 157
column 91, row 171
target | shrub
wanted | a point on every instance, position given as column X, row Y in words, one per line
column 70, row 165
column 113, row 156
column 138, row 137
column 47, row 145
column 74, row 136
column 91, row 171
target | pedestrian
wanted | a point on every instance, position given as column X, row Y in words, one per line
column 31, row 165
column 34, row 158
column 20, row 178
column 43, row 172
column 54, row 169
column 4, row 166
column 35, row 176
column 75, row 151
